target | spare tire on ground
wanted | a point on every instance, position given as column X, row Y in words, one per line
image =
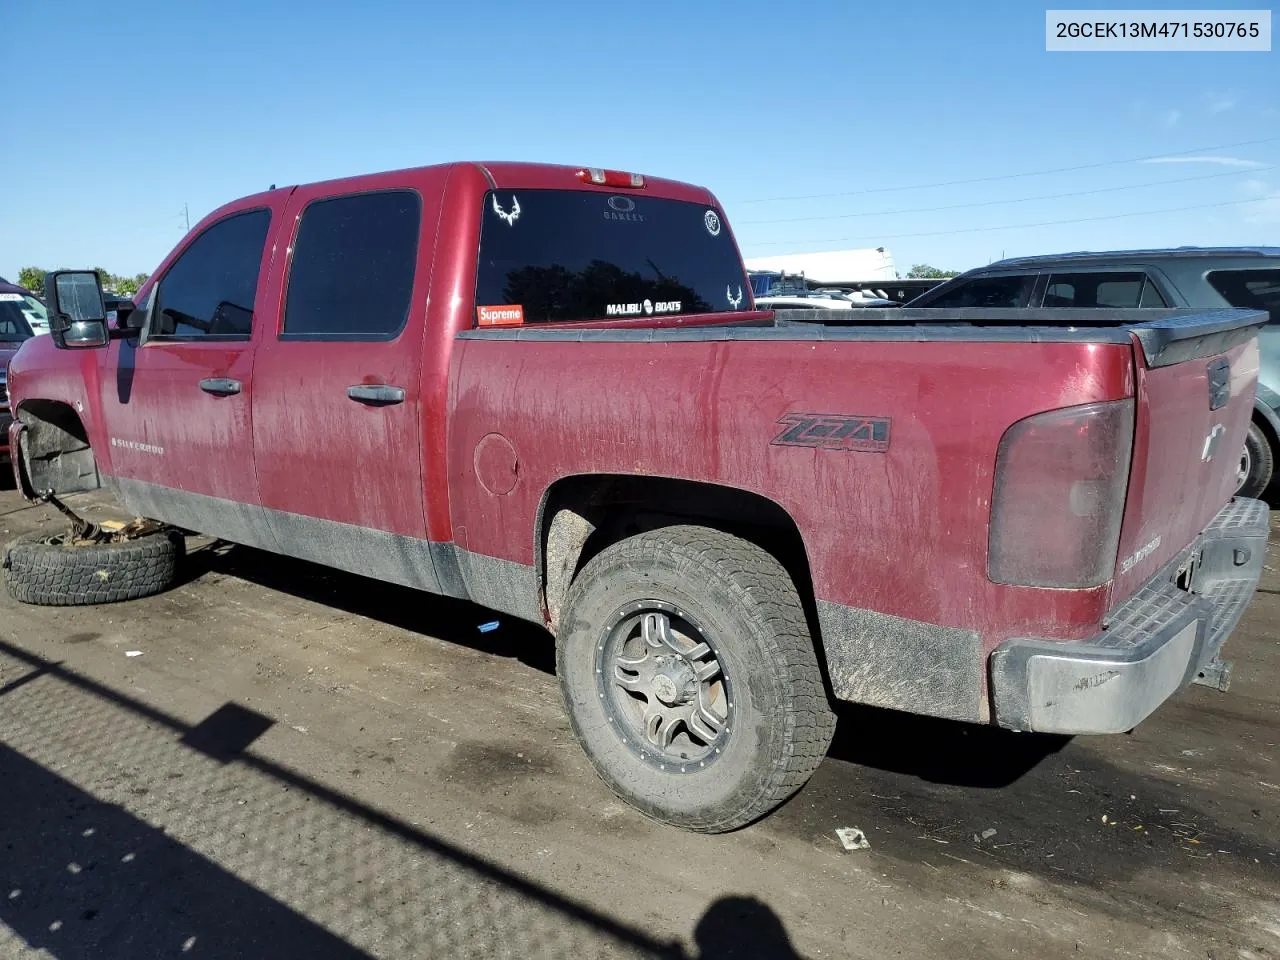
column 56, row 572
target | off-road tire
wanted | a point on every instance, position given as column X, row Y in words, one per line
column 59, row 575
column 782, row 722
column 1261, row 463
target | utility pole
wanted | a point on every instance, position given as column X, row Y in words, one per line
column 186, row 219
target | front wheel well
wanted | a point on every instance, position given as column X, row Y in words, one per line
column 56, row 454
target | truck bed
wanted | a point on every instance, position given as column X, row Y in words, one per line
column 1167, row 335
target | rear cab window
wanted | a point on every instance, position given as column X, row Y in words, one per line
column 561, row 256
column 1252, row 289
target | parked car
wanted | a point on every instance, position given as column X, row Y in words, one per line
column 547, row 390
column 795, row 293
column 27, row 303
column 15, row 307
column 1183, row 277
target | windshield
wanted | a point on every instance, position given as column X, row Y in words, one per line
column 1255, row 289
column 550, row 256
column 15, row 309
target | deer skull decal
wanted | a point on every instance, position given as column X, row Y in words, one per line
column 733, row 301
column 503, row 214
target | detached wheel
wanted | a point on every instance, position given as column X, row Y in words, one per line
column 1257, row 464
column 53, row 572
column 691, row 679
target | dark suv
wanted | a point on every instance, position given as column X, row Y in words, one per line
column 1182, row 277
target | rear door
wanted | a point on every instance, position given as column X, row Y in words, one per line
column 337, row 380
column 177, row 403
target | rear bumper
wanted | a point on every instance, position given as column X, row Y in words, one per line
column 1160, row 640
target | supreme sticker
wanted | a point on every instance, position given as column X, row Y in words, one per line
column 507, row 316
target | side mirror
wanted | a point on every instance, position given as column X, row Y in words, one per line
column 77, row 314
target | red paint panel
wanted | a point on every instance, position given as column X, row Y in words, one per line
column 538, row 176
column 320, row 453
column 161, row 427
column 903, row 532
column 39, row 369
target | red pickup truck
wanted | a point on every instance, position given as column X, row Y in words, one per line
column 546, row 390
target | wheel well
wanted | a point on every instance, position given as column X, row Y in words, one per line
column 580, row 516
column 1267, row 429
column 56, row 454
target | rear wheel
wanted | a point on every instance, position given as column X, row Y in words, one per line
column 691, row 679
column 1257, row 464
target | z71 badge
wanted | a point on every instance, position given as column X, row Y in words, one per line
column 834, row 431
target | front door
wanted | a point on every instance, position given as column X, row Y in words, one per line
column 336, row 402
column 177, row 401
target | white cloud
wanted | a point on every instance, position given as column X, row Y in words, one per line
column 1219, row 161
column 1220, row 102
column 1172, row 118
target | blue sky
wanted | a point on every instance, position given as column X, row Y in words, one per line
column 199, row 103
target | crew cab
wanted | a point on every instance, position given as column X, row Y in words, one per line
column 547, row 390
column 1205, row 277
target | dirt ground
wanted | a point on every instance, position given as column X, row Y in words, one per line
column 275, row 760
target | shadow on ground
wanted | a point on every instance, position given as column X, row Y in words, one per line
column 233, row 855
column 454, row 621
column 938, row 751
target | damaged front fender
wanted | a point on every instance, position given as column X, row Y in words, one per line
column 17, row 456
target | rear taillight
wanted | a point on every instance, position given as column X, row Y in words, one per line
column 610, row 178
column 1060, row 486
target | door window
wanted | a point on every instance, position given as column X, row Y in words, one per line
column 1119, row 291
column 1256, row 289
column 995, row 292
column 208, row 292
column 353, row 267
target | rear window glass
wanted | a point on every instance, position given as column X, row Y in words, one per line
column 986, row 292
column 549, row 256
column 1256, row 289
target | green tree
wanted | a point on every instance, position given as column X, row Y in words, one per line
column 922, row 271
column 33, row 279
column 130, row 285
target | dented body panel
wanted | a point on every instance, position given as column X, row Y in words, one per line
column 875, row 446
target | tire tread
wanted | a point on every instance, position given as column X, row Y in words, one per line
column 53, row 575
column 759, row 581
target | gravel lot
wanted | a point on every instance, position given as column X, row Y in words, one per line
column 300, row 763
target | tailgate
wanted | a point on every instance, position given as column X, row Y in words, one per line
column 1195, row 382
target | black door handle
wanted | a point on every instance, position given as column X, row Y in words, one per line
column 220, row 386
column 376, row 394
